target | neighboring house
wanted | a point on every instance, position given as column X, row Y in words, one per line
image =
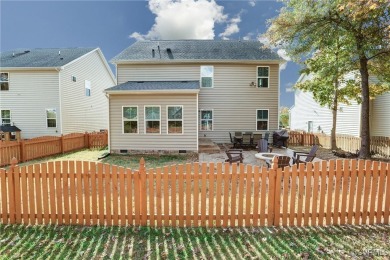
column 308, row 115
column 54, row 91
column 171, row 93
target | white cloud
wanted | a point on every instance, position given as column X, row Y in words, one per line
column 282, row 53
column 185, row 19
column 252, row 3
column 247, row 37
column 289, row 87
column 232, row 27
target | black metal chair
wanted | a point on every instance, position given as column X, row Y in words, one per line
column 233, row 140
column 246, row 140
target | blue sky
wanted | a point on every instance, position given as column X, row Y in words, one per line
column 114, row 25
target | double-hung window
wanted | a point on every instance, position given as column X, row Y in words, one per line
column 4, row 81
column 175, row 119
column 206, row 120
column 130, row 120
column 262, row 116
column 207, row 76
column 152, row 120
column 51, row 117
column 263, row 77
column 6, row 117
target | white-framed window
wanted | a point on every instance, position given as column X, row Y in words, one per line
column 263, row 76
column 262, row 118
column 4, row 81
column 5, row 117
column 130, row 119
column 206, row 76
column 152, row 119
column 206, row 120
column 175, row 119
column 51, row 117
column 87, row 88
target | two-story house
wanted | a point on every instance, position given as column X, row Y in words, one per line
column 54, row 91
column 170, row 93
column 310, row 116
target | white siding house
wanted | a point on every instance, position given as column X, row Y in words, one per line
column 222, row 86
column 44, row 90
column 308, row 115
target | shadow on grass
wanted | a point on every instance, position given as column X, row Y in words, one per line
column 72, row 242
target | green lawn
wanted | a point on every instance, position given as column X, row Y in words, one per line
column 75, row 242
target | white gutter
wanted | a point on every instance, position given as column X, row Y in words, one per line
column 121, row 62
column 164, row 91
column 29, row 68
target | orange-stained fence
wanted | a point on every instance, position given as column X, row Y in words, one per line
column 378, row 144
column 207, row 195
column 50, row 145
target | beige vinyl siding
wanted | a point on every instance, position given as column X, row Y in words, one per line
column 233, row 101
column 380, row 119
column 152, row 142
column 30, row 94
column 80, row 112
column 307, row 109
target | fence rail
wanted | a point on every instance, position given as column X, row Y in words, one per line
column 379, row 144
column 50, row 145
column 207, row 195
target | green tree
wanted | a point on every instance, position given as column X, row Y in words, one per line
column 306, row 26
column 326, row 71
column 284, row 117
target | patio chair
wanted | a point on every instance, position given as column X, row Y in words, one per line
column 246, row 140
column 237, row 133
column 264, row 147
column 256, row 138
column 266, row 136
column 280, row 161
column 233, row 140
column 234, row 155
column 309, row 156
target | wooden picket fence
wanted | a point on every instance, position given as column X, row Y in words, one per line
column 379, row 144
column 206, row 195
column 50, row 145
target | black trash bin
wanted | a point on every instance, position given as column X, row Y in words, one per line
column 280, row 138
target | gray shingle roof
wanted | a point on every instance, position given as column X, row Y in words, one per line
column 155, row 85
column 9, row 128
column 196, row 50
column 41, row 57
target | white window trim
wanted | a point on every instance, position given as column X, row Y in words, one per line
column 10, row 116
column 6, row 81
column 85, row 88
column 151, row 120
column 262, row 120
column 123, row 122
column 212, row 81
column 182, row 120
column 200, row 120
column 47, row 126
column 257, row 76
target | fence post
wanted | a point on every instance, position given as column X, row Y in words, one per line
column 62, row 143
column 142, row 191
column 22, row 151
column 11, row 190
column 86, row 140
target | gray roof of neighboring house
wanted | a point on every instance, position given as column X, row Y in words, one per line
column 155, row 85
column 41, row 58
column 196, row 50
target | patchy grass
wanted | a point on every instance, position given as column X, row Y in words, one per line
column 130, row 161
column 78, row 242
column 151, row 160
